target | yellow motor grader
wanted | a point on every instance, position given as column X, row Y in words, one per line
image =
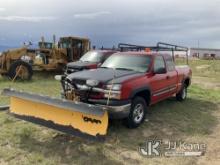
column 20, row 63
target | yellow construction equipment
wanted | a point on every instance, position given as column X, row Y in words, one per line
column 49, row 56
column 74, row 118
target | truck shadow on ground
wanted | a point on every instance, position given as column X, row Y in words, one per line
column 167, row 119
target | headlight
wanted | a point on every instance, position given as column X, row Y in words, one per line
column 70, row 70
column 114, row 87
column 58, row 77
column 92, row 83
column 115, row 91
column 113, row 96
column 82, row 87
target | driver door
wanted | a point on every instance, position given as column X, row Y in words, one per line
column 159, row 82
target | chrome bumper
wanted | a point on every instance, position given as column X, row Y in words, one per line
column 117, row 112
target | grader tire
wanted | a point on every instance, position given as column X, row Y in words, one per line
column 20, row 70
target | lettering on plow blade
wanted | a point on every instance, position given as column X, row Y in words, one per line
column 88, row 119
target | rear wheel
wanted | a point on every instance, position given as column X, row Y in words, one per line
column 20, row 70
column 182, row 93
column 137, row 113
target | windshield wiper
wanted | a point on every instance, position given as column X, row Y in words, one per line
column 124, row 69
column 86, row 61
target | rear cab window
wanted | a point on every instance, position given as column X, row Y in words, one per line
column 170, row 63
column 158, row 63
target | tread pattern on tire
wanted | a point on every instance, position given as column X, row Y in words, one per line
column 179, row 95
column 129, row 121
column 14, row 65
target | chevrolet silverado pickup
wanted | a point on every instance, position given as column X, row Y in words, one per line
column 127, row 83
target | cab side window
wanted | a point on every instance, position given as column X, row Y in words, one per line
column 159, row 63
column 170, row 64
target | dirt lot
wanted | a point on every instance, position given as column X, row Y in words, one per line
column 196, row 120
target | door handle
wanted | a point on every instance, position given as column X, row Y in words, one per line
column 168, row 77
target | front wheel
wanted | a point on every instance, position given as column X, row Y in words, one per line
column 20, row 70
column 137, row 113
column 182, row 93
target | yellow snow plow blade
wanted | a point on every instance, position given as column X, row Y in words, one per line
column 71, row 117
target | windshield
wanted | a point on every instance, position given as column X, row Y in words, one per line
column 65, row 45
column 46, row 45
column 91, row 57
column 137, row 63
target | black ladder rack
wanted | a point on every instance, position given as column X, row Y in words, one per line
column 161, row 46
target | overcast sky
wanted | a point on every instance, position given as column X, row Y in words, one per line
column 143, row 22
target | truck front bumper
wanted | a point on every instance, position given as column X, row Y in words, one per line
column 117, row 112
column 117, row 109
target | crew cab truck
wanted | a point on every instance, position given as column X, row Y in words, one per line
column 127, row 83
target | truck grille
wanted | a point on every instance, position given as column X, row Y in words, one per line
column 78, row 81
column 83, row 95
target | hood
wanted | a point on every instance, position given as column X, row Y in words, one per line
column 104, row 75
column 81, row 65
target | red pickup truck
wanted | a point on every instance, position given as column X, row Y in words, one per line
column 90, row 60
column 127, row 83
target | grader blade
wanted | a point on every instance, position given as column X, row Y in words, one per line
column 74, row 118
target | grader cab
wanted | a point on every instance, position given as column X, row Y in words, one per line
column 75, row 47
column 20, row 63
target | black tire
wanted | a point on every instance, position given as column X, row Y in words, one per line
column 25, row 68
column 131, row 120
column 182, row 95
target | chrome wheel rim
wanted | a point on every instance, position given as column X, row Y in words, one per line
column 138, row 113
column 184, row 93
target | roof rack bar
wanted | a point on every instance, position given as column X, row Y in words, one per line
column 175, row 47
column 122, row 47
column 105, row 48
column 125, row 46
column 161, row 46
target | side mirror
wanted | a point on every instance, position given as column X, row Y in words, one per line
column 160, row 71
